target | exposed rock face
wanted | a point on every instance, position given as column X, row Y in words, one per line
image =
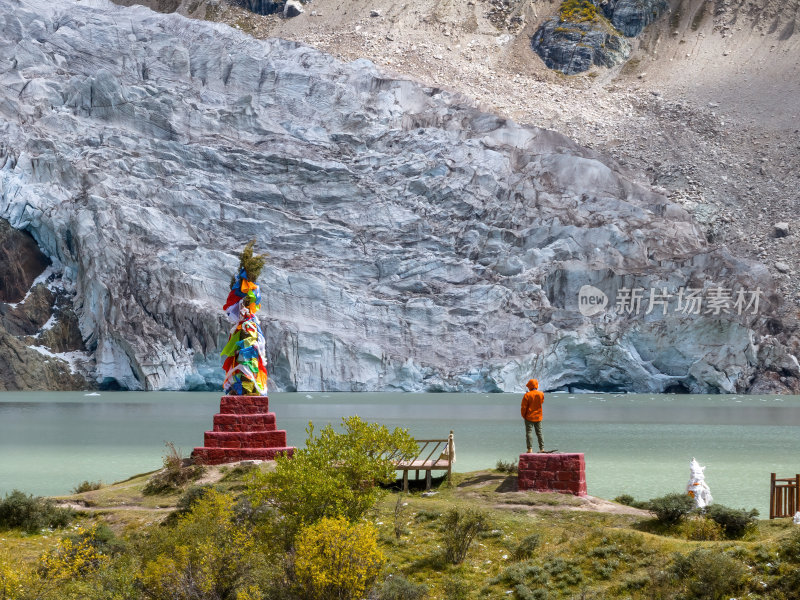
column 575, row 47
column 631, row 16
column 27, row 319
column 415, row 242
column 40, row 343
column 262, row 7
column 21, row 262
column 29, row 316
column 22, row 368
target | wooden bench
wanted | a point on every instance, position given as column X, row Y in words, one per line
column 433, row 455
column 784, row 496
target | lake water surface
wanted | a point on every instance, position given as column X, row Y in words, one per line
column 635, row 444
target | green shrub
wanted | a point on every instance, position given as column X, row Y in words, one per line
column 524, row 573
column 672, row 508
column 509, row 466
column 30, row 513
column 787, row 581
column 608, row 555
column 427, row 515
column 709, row 574
column 605, row 568
column 86, row 486
column 565, row 573
column 191, row 496
column 261, row 515
column 397, row 587
column 701, row 529
column 790, row 547
column 523, row 592
column 175, row 474
column 527, row 547
column 490, row 533
column 239, row 472
column 460, row 528
column 734, row 522
column 636, row 582
column 100, row 538
column 456, row 588
column 629, row 500
column 336, row 474
column 608, row 548
column 188, row 500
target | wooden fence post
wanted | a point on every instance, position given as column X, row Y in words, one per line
column 797, row 493
column 451, row 454
column 772, row 496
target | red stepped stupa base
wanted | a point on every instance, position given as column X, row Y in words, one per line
column 565, row 473
column 244, row 429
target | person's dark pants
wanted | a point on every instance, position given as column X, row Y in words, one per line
column 530, row 427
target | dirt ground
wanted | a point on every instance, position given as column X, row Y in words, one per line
column 706, row 110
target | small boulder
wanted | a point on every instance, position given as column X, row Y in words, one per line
column 782, row 267
column 292, row 8
column 781, row 230
column 374, row 13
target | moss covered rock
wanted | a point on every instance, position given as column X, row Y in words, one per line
column 573, row 46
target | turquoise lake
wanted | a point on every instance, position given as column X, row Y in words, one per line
column 635, row 444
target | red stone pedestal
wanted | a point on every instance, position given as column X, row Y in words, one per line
column 244, row 429
column 565, row 473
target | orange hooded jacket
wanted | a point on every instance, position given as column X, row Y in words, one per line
column 532, row 402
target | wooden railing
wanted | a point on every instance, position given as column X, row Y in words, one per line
column 432, row 454
column 784, row 497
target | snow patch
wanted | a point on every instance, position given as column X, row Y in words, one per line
column 42, row 278
column 74, row 359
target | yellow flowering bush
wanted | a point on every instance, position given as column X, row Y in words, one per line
column 337, row 474
column 206, row 555
column 73, row 556
column 337, row 560
column 15, row 578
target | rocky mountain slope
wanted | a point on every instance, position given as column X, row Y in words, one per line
column 416, row 241
column 706, row 108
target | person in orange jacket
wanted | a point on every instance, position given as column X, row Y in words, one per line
column 532, row 413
